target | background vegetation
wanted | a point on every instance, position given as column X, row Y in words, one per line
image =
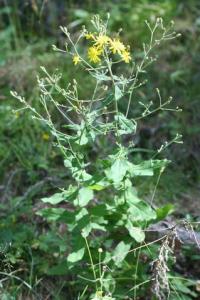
column 31, row 168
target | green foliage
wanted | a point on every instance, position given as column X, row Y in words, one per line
column 107, row 201
column 104, row 215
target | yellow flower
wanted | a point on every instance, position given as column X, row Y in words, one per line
column 16, row 114
column 76, row 59
column 45, row 136
column 101, row 41
column 116, row 46
column 126, row 57
column 93, row 54
column 89, row 36
column 99, row 295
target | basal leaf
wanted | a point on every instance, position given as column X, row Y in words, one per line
column 163, row 211
column 76, row 256
column 141, row 212
column 135, row 232
column 60, row 269
column 120, row 252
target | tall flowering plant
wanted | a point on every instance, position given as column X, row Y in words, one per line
column 106, row 217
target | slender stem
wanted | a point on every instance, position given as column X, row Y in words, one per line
column 156, row 186
column 92, row 263
column 150, row 243
column 140, row 67
column 94, row 94
column 100, row 273
column 135, row 277
column 138, row 285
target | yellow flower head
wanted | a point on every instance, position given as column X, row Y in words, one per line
column 89, row 36
column 76, row 59
column 101, row 41
column 16, row 114
column 116, row 46
column 45, row 136
column 93, row 54
column 126, row 57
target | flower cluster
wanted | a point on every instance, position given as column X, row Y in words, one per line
column 101, row 44
column 76, row 59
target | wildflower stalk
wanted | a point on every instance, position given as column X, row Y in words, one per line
column 102, row 196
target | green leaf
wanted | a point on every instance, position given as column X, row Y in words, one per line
column 76, row 256
column 141, row 212
column 159, row 163
column 81, row 175
column 117, row 171
column 118, row 93
column 108, row 100
column 183, row 286
column 143, row 169
column 60, row 269
column 119, row 200
column 82, row 137
column 87, row 229
column 131, row 196
column 68, row 161
column 98, row 226
column 147, row 168
column 65, row 195
column 99, row 295
column 55, row 199
column 81, row 224
column 68, row 217
column 51, row 214
column 120, row 252
column 125, row 126
column 164, row 211
column 99, row 210
column 79, row 215
column 75, row 127
column 100, row 76
column 70, row 193
column 135, row 232
column 96, row 187
column 84, row 196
